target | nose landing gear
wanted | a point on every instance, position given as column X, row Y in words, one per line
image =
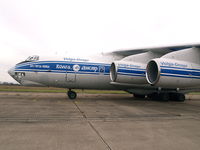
column 71, row 94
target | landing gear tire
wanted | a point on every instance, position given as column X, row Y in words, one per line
column 159, row 96
column 181, row 97
column 139, row 96
column 177, row 97
column 164, row 97
column 72, row 94
column 152, row 96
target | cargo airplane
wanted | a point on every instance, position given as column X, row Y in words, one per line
column 164, row 73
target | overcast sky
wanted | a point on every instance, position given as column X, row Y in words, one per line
column 80, row 27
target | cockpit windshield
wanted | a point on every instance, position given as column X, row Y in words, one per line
column 31, row 58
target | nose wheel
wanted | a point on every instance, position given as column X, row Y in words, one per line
column 71, row 94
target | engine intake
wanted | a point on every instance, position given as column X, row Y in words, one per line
column 113, row 72
column 153, row 72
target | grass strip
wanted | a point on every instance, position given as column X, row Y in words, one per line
column 54, row 90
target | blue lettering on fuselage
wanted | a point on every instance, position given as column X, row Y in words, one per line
column 170, row 64
column 78, row 67
column 67, row 67
column 90, row 68
column 39, row 66
column 63, row 66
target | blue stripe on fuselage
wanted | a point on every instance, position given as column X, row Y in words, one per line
column 179, row 76
column 101, row 68
column 64, row 66
column 71, row 67
column 131, row 71
column 180, row 72
column 180, row 68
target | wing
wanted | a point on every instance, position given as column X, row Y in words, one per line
column 162, row 49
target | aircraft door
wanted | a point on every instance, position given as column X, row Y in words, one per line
column 71, row 77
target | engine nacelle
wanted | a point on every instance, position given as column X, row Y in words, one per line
column 128, row 72
column 171, row 73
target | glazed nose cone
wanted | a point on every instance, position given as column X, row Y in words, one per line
column 11, row 71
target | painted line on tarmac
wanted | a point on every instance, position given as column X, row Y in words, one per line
column 91, row 125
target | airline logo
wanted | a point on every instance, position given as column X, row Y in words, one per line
column 76, row 68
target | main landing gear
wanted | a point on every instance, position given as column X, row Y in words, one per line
column 167, row 96
column 162, row 96
column 139, row 96
column 71, row 94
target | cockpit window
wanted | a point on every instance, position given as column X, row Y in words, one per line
column 30, row 58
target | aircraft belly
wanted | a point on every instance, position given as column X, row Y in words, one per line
column 80, row 81
column 93, row 81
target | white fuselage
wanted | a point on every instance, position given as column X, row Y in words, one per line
column 143, row 73
column 68, row 73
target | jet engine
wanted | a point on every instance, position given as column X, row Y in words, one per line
column 169, row 73
column 132, row 69
column 128, row 72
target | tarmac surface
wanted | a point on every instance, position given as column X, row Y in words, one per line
column 50, row 121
